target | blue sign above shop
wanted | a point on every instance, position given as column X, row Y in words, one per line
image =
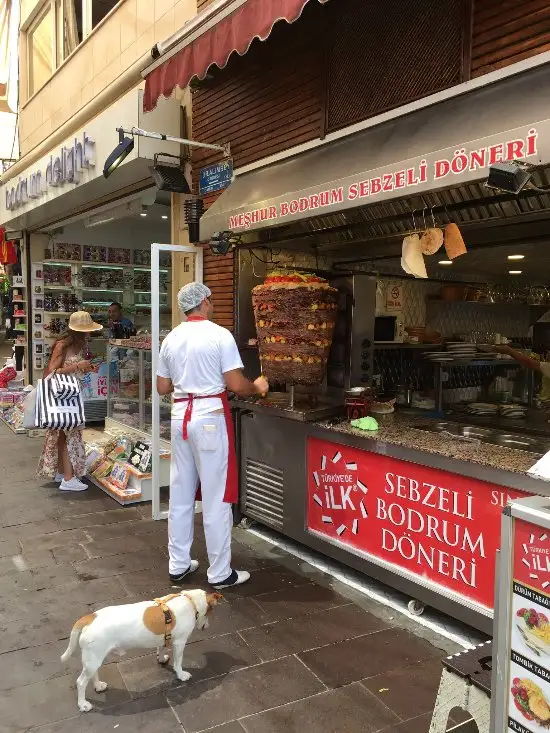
column 215, row 177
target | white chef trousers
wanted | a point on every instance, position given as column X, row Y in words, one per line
column 204, row 456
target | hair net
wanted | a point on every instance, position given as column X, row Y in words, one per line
column 192, row 295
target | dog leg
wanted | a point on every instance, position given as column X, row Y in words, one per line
column 98, row 685
column 81, row 684
column 162, row 655
column 90, row 664
column 177, row 660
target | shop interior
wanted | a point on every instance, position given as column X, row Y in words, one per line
column 428, row 346
column 88, row 263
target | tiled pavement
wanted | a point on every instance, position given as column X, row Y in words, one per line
column 290, row 651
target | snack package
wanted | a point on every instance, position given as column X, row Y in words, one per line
column 141, row 457
column 93, row 459
column 103, row 469
column 295, row 316
column 122, row 450
column 120, row 475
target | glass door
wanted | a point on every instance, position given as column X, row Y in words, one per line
column 164, row 292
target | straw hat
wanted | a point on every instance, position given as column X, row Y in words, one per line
column 82, row 321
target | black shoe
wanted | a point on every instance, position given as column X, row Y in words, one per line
column 180, row 577
column 237, row 577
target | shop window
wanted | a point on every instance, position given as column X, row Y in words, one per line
column 69, row 27
column 100, row 8
column 58, row 31
column 40, row 44
column 385, row 54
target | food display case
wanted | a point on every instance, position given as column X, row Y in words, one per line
column 129, row 421
column 129, row 394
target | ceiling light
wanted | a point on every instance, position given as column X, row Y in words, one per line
column 119, row 154
column 445, row 262
column 143, row 214
column 112, row 213
column 516, row 257
column 515, row 272
column 164, row 216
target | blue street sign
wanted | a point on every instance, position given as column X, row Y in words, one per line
column 215, row 177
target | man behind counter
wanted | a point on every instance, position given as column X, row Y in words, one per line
column 119, row 326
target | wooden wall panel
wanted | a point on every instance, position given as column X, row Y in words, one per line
column 268, row 100
column 262, row 103
column 218, row 276
column 380, row 57
column 507, row 31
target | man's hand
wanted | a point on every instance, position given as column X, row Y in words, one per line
column 262, row 386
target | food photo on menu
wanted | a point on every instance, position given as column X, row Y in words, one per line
column 531, row 629
column 529, row 708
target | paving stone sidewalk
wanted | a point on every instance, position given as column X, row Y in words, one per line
column 292, row 650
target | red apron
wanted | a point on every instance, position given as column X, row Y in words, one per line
column 231, row 495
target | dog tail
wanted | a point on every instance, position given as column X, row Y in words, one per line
column 77, row 629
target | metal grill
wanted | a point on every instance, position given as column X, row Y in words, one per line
column 385, row 54
column 264, row 494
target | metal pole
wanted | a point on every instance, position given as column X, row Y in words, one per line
column 169, row 138
column 155, row 401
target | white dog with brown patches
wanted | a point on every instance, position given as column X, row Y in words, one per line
column 147, row 625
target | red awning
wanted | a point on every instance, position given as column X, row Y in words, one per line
column 232, row 34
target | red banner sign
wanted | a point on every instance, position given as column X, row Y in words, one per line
column 532, row 556
column 437, row 525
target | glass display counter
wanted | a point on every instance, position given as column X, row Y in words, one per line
column 129, row 415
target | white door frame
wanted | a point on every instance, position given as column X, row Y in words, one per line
column 156, row 249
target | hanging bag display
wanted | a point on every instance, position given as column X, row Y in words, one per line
column 59, row 412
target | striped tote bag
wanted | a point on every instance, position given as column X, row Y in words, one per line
column 59, row 405
column 64, row 386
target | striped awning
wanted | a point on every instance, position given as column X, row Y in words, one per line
column 223, row 28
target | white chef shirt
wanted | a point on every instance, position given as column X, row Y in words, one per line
column 195, row 356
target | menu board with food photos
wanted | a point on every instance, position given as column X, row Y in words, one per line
column 529, row 661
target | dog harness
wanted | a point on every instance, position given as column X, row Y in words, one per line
column 169, row 621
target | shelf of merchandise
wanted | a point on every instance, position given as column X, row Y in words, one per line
column 17, row 431
column 114, row 426
column 58, row 313
column 96, row 265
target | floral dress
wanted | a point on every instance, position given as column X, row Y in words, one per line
column 49, row 459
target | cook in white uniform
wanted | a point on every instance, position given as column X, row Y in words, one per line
column 198, row 362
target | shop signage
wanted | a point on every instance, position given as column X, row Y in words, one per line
column 215, row 177
column 65, row 167
column 468, row 162
column 432, row 525
column 529, row 662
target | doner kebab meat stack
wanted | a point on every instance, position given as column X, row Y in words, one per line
column 295, row 316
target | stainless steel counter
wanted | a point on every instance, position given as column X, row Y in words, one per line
column 276, row 457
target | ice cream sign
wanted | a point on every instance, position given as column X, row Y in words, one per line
column 436, row 526
column 63, row 167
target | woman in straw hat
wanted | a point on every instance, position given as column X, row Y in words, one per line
column 63, row 457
